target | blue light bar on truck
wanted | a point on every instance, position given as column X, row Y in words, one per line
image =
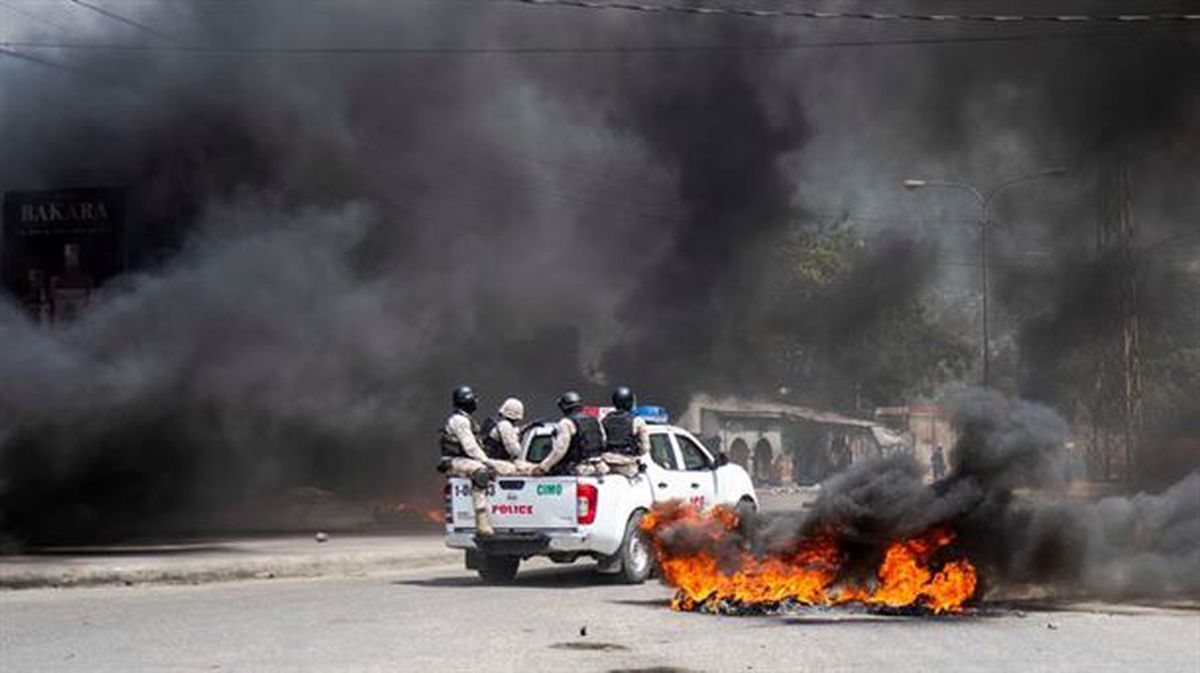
column 651, row 413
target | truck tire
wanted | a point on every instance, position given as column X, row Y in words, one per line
column 747, row 511
column 498, row 569
column 746, row 507
column 637, row 558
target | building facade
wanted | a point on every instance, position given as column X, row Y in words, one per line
column 783, row 443
column 924, row 427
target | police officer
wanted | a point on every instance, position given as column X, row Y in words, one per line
column 502, row 439
column 627, row 436
column 463, row 457
column 578, row 441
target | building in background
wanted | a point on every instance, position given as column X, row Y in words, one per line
column 59, row 246
column 924, row 427
column 785, row 443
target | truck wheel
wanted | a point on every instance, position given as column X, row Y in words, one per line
column 747, row 512
column 498, row 569
column 637, row 559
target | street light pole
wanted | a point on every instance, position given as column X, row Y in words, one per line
column 985, row 211
column 983, row 284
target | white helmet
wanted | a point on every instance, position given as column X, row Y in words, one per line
column 513, row 410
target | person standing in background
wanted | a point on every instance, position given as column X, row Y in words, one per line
column 937, row 462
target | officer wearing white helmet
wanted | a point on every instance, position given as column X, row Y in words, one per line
column 502, row 438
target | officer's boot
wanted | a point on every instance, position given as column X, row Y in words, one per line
column 483, row 523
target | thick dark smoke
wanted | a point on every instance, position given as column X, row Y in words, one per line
column 1000, row 112
column 709, row 122
column 342, row 241
column 328, row 243
column 1003, row 498
column 1094, row 111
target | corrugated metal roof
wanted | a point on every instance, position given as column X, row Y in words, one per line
column 749, row 408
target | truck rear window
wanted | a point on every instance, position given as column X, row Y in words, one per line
column 539, row 448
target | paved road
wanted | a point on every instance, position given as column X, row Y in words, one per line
column 443, row 619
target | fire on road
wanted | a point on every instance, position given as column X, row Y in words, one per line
column 809, row 573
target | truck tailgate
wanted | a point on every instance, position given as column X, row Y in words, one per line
column 518, row 503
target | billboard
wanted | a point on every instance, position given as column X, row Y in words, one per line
column 59, row 246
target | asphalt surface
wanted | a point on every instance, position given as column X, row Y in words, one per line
column 554, row 618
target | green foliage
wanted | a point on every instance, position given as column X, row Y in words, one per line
column 819, row 255
column 852, row 328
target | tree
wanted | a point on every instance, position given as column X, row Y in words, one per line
column 850, row 324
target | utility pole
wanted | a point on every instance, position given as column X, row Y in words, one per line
column 984, row 226
column 984, row 199
column 1119, row 374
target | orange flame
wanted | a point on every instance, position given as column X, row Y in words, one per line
column 397, row 510
column 806, row 576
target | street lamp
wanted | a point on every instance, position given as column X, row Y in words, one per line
column 985, row 200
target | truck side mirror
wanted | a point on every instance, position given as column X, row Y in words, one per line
column 721, row 461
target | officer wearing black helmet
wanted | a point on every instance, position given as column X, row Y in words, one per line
column 578, row 440
column 462, row 455
column 627, row 436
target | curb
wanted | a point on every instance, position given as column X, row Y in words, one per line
column 358, row 565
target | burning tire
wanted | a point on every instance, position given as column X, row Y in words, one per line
column 498, row 569
column 637, row 558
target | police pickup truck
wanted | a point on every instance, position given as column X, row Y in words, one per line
column 566, row 517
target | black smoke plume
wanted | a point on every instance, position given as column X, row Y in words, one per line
column 1004, row 499
column 326, row 242
column 326, row 245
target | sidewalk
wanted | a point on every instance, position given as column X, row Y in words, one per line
column 224, row 560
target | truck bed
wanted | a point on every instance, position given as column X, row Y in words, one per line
column 517, row 503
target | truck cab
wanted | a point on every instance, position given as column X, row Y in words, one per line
column 568, row 517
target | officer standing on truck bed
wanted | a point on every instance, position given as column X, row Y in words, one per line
column 627, row 436
column 578, row 441
column 463, row 457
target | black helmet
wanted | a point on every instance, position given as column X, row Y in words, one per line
column 622, row 398
column 464, row 399
column 570, row 401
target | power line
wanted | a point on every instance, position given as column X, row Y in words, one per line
column 554, row 50
column 37, row 17
column 43, row 62
column 123, row 19
column 623, row 6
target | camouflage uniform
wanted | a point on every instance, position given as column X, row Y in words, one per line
column 463, row 457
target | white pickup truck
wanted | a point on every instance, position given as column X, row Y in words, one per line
column 566, row 517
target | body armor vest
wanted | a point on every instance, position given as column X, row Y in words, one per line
column 451, row 447
column 618, row 429
column 493, row 446
column 588, row 440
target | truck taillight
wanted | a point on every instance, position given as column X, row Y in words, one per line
column 586, row 498
column 446, row 491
